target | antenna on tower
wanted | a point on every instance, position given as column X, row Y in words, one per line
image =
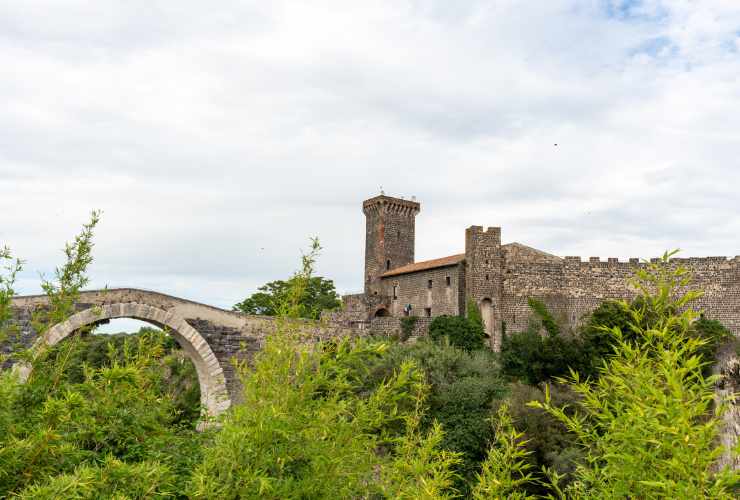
column 381, row 190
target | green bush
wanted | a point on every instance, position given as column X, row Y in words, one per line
column 305, row 431
column 465, row 333
column 116, row 411
column 111, row 479
column 462, row 386
column 647, row 424
column 533, row 358
column 599, row 343
column 548, row 440
column 407, row 327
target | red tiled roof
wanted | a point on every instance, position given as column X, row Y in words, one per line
column 427, row 264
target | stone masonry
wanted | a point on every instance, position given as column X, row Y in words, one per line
column 214, row 339
column 499, row 278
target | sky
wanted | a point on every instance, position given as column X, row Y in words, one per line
column 218, row 137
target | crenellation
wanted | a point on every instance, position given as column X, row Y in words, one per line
column 500, row 278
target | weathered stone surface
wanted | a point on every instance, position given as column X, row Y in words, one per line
column 214, row 339
column 501, row 278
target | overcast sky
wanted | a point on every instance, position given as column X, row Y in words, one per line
column 217, row 137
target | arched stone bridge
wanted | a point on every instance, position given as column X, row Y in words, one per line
column 211, row 337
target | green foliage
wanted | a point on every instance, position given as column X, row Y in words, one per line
column 320, row 295
column 462, row 386
column 546, row 318
column 306, row 296
column 506, row 471
column 8, row 272
column 473, row 313
column 461, row 332
column 551, row 445
column 304, row 431
column 311, row 426
column 111, row 479
column 85, row 427
column 118, row 411
column 598, row 342
column 647, row 423
column 407, row 326
column 63, row 292
column 172, row 372
column 533, row 358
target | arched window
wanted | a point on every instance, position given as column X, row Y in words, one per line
column 388, row 265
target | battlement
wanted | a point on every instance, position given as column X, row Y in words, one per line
column 632, row 261
column 480, row 229
column 476, row 235
column 389, row 204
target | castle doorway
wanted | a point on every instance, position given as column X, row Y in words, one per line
column 486, row 311
column 382, row 313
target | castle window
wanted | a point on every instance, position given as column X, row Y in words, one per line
column 398, row 234
column 395, row 292
column 448, row 280
column 486, row 261
column 428, row 312
column 487, row 277
column 388, row 265
column 429, row 284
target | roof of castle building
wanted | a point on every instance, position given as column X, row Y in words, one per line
column 516, row 252
column 427, row 264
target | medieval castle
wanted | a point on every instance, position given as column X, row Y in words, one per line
column 500, row 278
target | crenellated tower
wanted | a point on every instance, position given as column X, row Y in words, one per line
column 483, row 276
column 389, row 237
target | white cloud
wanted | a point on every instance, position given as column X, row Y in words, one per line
column 216, row 140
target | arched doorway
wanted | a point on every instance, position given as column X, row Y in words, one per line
column 382, row 313
column 486, row 312
column 213, row 393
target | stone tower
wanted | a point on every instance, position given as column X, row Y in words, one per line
column 483, row 276
column 389, row 237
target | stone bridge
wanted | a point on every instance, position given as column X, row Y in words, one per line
column 211, row 337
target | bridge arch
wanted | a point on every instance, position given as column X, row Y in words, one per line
column 213, row 392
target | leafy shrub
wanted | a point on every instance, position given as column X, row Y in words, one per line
column 647, row 423
column 465, row 333
column 548, row 440
column 533, row 358
column 115, row 411
column 111, row 479
column 304, row 431
column 546, row 318
column 505, row 472
column 407, row 326
column 462, row 386
column 599, row 343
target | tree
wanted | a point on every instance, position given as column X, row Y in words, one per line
column 319, row 295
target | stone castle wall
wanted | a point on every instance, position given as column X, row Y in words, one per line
column 573, row 288
column 413, row 288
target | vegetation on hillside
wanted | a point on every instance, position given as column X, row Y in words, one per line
column 622, row 408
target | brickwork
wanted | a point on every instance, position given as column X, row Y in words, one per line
column 500, row 278
column 389, row 237
column 392, row 327
column 414, row 289
column 212, row 338
column 484, row 261
column 573, row 288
